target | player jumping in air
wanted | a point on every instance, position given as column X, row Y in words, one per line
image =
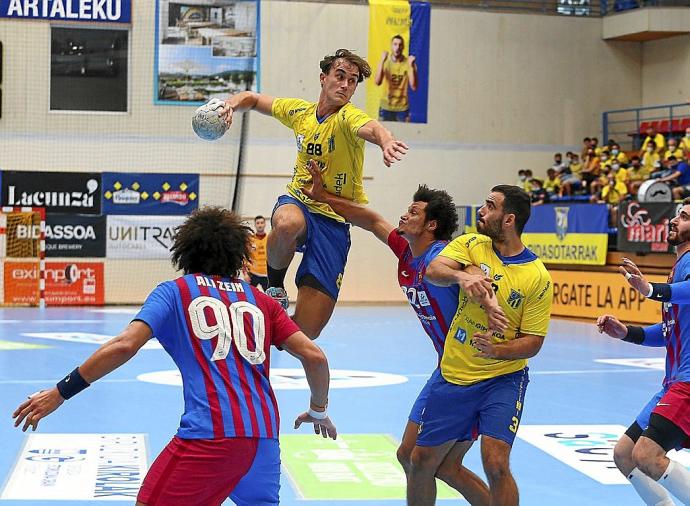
column 332, row 132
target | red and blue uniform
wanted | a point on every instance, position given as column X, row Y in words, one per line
column 219, row 332
column 434, row 305
column 673, row 400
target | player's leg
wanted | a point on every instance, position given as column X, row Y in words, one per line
column 261, row 485
column 313, row 309
column 456, row 475
column 669, row 427
column 288, row 231
column 501, row 409
column 496, row 460
column 320, row 272
column 648, row 489
column 449, row 415
column 421, row 482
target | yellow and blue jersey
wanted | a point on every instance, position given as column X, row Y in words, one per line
column 394, row 97
column 524, row 290
column 333, row 143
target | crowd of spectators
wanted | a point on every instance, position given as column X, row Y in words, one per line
column 607, row 174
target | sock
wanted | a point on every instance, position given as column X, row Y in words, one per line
column 649, row 490
column 276, row 277
column 676, row 479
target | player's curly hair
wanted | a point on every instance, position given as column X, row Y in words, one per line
column 439, row 207
column 350, row 57
column 211, row 241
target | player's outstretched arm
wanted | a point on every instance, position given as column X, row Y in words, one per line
column 318, row 377
column 652, row 335
column 359, row 215
column 676, row 293
column 245, row 101
column 376, row 133
column 378, row 77
column 106, row 359
column 444, row 271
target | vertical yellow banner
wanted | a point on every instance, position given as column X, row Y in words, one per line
column 387, row 19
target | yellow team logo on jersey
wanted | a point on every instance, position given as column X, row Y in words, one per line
column 339, row 280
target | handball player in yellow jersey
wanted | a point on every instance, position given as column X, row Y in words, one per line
column 484, row 372
column 331, row 132
column 398, row 71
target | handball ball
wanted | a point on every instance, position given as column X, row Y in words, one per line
column 206, row 122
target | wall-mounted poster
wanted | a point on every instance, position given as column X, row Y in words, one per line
column 398, row 89
column 205, row 49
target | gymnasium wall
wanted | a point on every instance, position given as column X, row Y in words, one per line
column 506, row 91
column 666, row 71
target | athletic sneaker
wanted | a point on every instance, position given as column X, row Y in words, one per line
column 279, row 295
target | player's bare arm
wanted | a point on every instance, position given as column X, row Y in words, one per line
column 315, row 367
column 444, row 271
column 106, row 359
column 359, row 215
column 376, row 133
column 525, row 346
column 246, row 101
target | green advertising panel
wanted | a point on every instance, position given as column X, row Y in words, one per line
column 354, row 467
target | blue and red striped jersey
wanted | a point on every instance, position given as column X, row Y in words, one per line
column 219, row 332
column 434, row 305
column 676, row 329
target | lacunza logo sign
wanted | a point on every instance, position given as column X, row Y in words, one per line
column 61, row 192
column 141, row 236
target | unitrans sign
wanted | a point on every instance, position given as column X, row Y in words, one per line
column 110, row 11
column 62, row 192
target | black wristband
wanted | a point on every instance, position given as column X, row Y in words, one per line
column 71, row 384
column 635, row 335
column 661, row 292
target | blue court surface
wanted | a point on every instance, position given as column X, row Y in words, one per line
column 585, row 390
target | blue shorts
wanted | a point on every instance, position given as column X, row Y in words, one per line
column 261, row 485
column 493, row 406
column 400, row 116
column 643, row 418
column 420, row 403
column 325, row 249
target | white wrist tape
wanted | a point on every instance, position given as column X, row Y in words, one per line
column 319, row 415
column 651, row 290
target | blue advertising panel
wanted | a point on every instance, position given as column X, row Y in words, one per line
column 159, row 194
column 104, row 11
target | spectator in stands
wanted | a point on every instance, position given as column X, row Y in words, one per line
column 685, row 143
column 586, row 144
column 680, row 180
column 672, row 150
column 590, row 169
column 521, row 178
column 558, row 164
column 656, row 138
column 620, row 171
column 571, row 178
column 605, row 159
column 594, row 144
column 637, row 174
column 611, row 194
column 618, row 155
column 651, row 160
column 552, row 183
column 538, row 194
column 527, row 184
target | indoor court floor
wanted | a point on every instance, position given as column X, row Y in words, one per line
column 585, row 390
